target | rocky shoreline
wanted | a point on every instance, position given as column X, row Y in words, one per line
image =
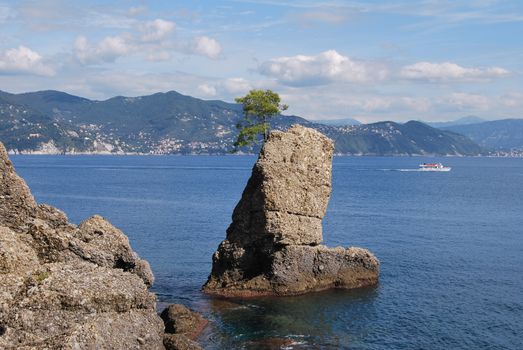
column 64, row 286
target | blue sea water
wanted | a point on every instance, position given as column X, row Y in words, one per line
column 450, row 246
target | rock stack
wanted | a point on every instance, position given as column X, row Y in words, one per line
column 273, row 245
column 64, row 286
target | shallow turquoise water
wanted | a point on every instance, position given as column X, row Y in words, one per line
column 450, row 245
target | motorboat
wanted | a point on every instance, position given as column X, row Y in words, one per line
column 433, row 167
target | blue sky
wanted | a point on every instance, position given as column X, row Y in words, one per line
column 370, row 60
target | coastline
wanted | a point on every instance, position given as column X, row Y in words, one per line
column 182, row 264
column 240, row 154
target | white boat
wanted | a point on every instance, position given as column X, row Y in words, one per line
column 433, row 167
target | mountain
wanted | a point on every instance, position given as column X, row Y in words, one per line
column 160, row 123
column 337, row 122
column 22, row 127
column 504, row 134
column 390, row 138
column 471, row 119
column 172, row 123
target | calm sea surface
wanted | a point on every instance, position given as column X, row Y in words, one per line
column 450, row 246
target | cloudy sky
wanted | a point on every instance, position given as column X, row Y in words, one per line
column 369, row 60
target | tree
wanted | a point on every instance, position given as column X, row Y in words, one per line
column 259, row 107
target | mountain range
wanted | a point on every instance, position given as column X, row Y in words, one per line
column 172, row 123
column 504, row 134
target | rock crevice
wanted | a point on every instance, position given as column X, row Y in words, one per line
column 273, row 245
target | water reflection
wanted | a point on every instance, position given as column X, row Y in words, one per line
column 300, row 322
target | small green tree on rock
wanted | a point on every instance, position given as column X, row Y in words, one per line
column 259, row 106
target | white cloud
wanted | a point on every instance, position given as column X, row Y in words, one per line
column 236, row 86
column 448, row 71
column 107, row 50
column 206, row 46
column 230, row 88
column 152, row 39
column 326, row 67
column 156, row 30
column 24, row 60
column 207, row 90
column 113, row 46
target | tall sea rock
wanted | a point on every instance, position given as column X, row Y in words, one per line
column 64, row 286
column 273, row 245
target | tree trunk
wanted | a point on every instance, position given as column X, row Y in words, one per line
column 265, row 129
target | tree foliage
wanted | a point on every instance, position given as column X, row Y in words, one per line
column 259, row 106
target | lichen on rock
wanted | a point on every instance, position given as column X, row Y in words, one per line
column 273, row 245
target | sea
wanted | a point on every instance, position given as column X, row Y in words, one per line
column 450, row 246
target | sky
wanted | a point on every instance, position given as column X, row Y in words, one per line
column 432, row 60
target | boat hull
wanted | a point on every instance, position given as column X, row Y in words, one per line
column 445, row 169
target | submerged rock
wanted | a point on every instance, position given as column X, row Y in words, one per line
column 178, row 319
column 273, row 243
column 64, row 286
column 179, row 342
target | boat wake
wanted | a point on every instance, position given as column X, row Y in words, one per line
column 398, row 169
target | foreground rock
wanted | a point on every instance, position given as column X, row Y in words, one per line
column 69, row 287
column 273, row 243
column 182, row 327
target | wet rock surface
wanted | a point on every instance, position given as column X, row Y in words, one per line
column 179, row 342
column 273, row 245
column 182, row 327
column 64, row 286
